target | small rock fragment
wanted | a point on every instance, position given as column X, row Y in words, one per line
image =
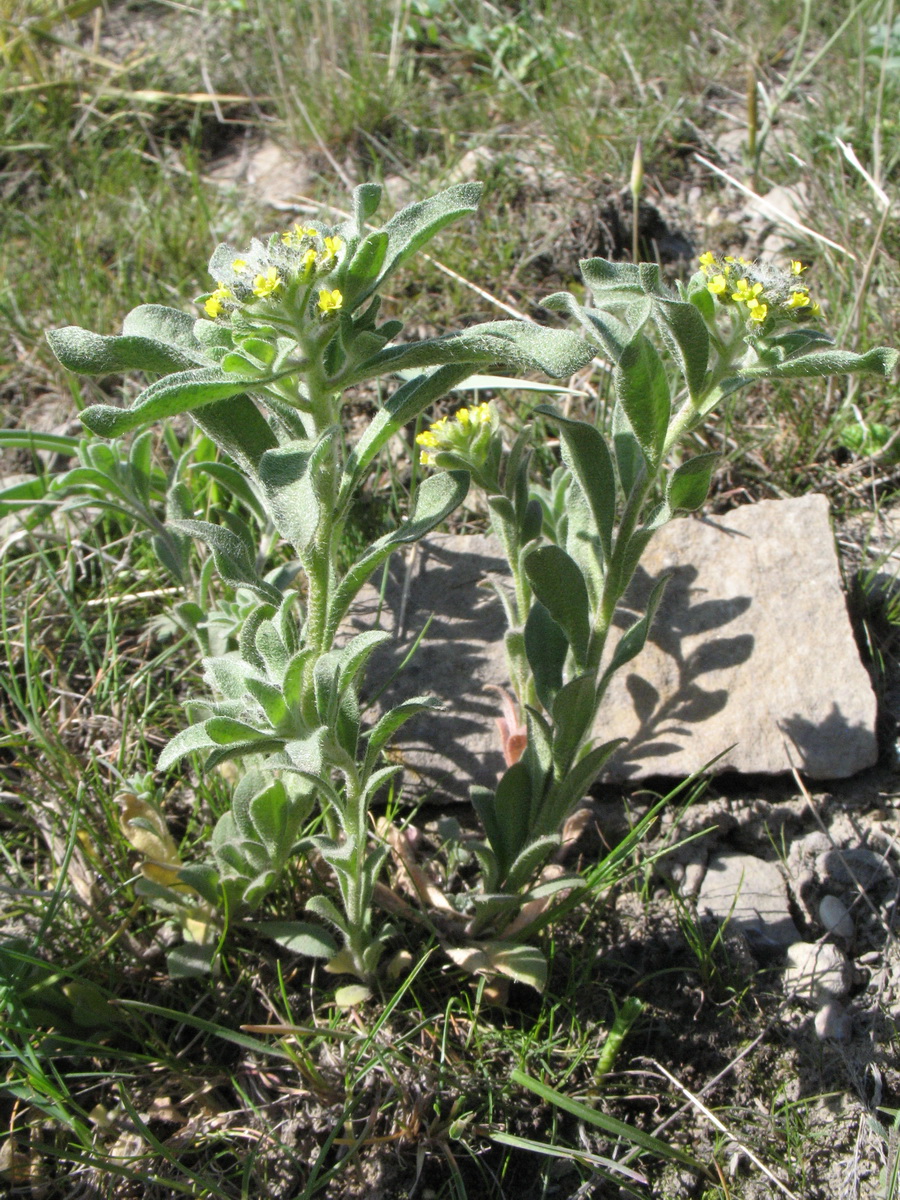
column 852, row 867
column 835, row 917
column 816, row 972
column 750, row 894
column 833, row 1022
column 694, row 873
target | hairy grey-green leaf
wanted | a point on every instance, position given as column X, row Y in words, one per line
column 437, row 497
column 643, row 391
column 556, row 352
column 299, row 937
column 418, row 223
column 633, row 640
column 174, row 394
column 587, row 456
column 286, row 478
column 685, row 332
column 93, row 354
column 404, row 406
column 546, row 647
column 560, row 587
column 688, row 484
column 231, row 558
column 601, row 276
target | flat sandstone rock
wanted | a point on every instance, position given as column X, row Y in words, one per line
column 751, row 653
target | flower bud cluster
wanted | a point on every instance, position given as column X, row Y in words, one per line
column 762, row 291
column 289, row 265
column 467, row 433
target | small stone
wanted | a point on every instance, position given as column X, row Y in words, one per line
column 816, row 972
column 854, row 867
column 835, row 917
column 748, row 593
column 833, row 1022
column 694, row 874
column 750, row 894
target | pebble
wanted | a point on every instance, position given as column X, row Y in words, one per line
column 817, row 972
column 833, row 1022
column 693, row 878
column 749, row 894
column 854, row 867
column 834, row 916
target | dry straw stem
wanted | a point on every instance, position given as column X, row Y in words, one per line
column 697, row 1103
column 884, row 200
column 772, row 209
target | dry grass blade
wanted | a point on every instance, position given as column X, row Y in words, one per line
column 697, row 1103
column 775, row 212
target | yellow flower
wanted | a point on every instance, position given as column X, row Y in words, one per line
column 757, row 311
column 797, row 268
column 213, row 305
column 747, row 293
column 293, row 237
column 798, row 300
column 330, row 301
column 717, row 285
column 332, row 245
column 707, row 260
column 265, row 285
column 239, row 264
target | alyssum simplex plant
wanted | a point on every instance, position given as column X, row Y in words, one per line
column 291, row 326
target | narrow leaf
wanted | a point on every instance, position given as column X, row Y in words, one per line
column 93, row 354
column 685, row 331
column 587, row 456
column 512, row 809
column 557, row 352
column 560, row 587
column 643, row 391
column 418, row 223
column 167, row 397
column 437, row 497
column 230, row 555
column 688, row 484
column 287, row 480
column 633, row 640
column 299, row 937
column 404, row 406
column 546, row 647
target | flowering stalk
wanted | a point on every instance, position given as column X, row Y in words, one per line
column 733, row 323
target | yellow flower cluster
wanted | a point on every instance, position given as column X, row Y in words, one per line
column 285, row 269
column 762, row 290
column 454, row 433
column 305, row 237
